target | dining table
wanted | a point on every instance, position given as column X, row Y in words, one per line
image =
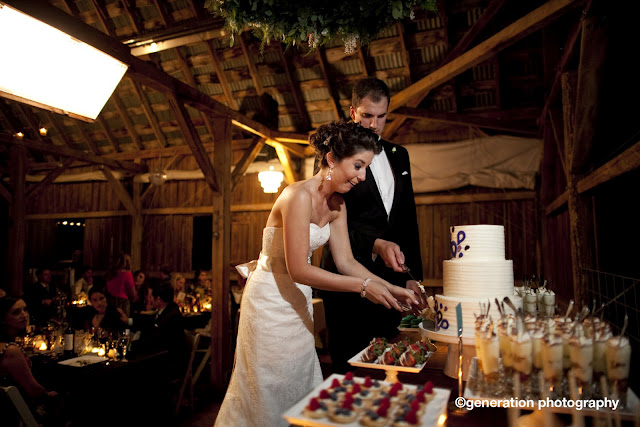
column 109, row 391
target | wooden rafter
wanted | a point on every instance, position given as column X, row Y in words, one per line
column 112, row 140
column 363, row 61
column 295, row 89
column 462, row 45
column 6, row 193
column 222, row 77
column 103, row 17
column 524, row 26
column 285, row 160
column 71, row 6
column 405, row 53
column 132, row 13
column 253, row 71
column 148, row 112
column 247, row 158
column 193, row 140
column 76, row 154
column 335, row 101
column 55, row 122
column 9, row 116
column 126, row 119
column 50, row 178
column 567, row 51
column 119, row 189
column 162, row 12
column 87, row 138
column 465, row 120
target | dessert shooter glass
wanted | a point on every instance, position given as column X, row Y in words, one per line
column 618, row 356
column 600, row 337
column 530, row 302
column 548, row 303
column 552, row 364
column 537, row 336
column 581, row 355
column 522, row 354
column 490, row 348
column 505, row 326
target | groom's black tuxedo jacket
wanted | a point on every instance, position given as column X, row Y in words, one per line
column 367, row 221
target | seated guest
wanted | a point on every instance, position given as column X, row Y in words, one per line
column 40, row 297
column 15, row 367
column 142, row 298
column 103, row 315
column 120, row 283
column 84, row 283
column 179, row 284
column 165, row 330
column 202, row 284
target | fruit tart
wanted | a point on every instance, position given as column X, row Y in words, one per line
column 315, row 409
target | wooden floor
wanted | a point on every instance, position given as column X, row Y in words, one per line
column 207, row 402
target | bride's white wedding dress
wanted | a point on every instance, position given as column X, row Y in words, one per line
column 276, row 363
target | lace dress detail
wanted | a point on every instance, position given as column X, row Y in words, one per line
column 276, row 363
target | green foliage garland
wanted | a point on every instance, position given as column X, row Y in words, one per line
column 315, row 21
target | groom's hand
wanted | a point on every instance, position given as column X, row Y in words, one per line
column 390, row 253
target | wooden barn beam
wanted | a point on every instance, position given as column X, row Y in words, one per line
column 119, row 189
column 462, row 45
column 17, row 227
column 76, row 154
column 285, row 159
column 406, row 61
column 295, row 89
column 472, row 198
column 112, row 140
column 55, row 122
column 126, row 119
column 4, row 192
column 253, row 70
column 465, row 120
column 193, row 141
column 524, row 26
column 625, row 162
column 148, row 112
column 162, row 12
column 191, row 81
column 132, row 14
column 80, row 126
column 222, row 77
column 335, row 99
column 567, row 52
column 221, row 348
column 579, row 216
column 593, row 52
column 51, row 176
column 103, row 17
column 247, row 158
column 137, row 227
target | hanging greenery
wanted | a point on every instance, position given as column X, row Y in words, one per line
column 315, row 21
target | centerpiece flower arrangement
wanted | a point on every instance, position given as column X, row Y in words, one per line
column 315, row 22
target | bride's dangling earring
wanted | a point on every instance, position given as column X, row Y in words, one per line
column 328, row 178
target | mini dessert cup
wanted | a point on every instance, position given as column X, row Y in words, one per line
column 490, row 347
column 618, row 356
column 552, row 364
column 581, row 354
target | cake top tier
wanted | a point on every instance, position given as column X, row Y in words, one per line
column 477, row 242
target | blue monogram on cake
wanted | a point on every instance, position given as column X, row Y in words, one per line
column 441, row 322
column 456, row 247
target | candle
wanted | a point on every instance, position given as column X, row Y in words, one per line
column 43, row 346
column 101, row 352
column 112, row 353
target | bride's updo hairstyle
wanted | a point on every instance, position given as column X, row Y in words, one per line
column 343, row 139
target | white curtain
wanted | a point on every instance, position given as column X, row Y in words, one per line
column 495, row 162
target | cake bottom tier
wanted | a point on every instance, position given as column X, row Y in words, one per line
column 446, row 321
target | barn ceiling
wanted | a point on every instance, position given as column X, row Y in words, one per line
column 473, row 68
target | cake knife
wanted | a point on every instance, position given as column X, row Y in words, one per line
column 408, row 271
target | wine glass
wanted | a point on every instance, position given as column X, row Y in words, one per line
column 124, row 340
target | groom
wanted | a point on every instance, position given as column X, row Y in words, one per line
column 383, row 230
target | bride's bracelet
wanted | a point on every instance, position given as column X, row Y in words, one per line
column 363, row 292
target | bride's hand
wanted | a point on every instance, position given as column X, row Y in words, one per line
column 389, row 296
column 405, row 296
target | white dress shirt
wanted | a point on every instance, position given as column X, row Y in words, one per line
column 381, row 170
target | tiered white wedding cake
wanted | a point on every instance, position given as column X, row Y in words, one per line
column 476, row 273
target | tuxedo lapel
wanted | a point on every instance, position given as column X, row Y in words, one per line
column 370, row 183
column 396, row 167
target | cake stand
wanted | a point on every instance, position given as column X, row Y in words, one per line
column 451, row 365
column 391, row 371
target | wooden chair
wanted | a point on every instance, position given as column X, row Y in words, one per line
column 193, row 339
column 24, row 416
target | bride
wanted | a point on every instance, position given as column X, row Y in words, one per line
column 276, row 363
